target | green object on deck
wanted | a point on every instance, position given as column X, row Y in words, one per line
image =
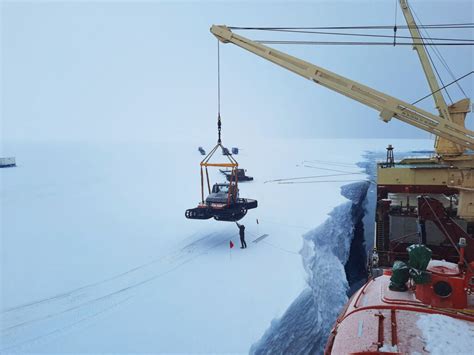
column 400, row 276
column 419, row 256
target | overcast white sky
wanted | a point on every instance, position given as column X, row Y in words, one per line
column 146, row 71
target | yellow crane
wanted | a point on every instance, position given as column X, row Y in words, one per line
column 455, row 113
column 451, row 171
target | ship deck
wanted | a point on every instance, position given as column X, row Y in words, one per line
column 378, row 319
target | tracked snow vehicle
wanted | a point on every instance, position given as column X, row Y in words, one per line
column 241, row 176
column 223, row 202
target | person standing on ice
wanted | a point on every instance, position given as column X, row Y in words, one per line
column 242, row 235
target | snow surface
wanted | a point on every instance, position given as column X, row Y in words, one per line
column 446, row 335
column 387, row 348
column 96, row 255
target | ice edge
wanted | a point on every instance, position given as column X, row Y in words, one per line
column 306, row 324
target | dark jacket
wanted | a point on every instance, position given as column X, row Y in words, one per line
column 241, row 229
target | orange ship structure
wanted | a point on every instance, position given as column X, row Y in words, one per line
column 378, row 320
column 382, row 318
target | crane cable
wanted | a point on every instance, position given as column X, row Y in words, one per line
column 466, row 25
column 446, row 65
column 205, row 163
column 219, row 124
column 310, row 30
column 429, row 55
column 441, row 88
column 308, row 177
column 469, row 41
column 395, row 25
column 440, row 56
column 361, row 43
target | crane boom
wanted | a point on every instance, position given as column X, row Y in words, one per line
column 442, row 145
column 419, row 46
column 388, row 106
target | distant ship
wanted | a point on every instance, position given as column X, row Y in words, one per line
column 7, row 162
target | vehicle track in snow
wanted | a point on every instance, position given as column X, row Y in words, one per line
column 30, row 323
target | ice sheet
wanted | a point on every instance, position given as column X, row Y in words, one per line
column 98, row 257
